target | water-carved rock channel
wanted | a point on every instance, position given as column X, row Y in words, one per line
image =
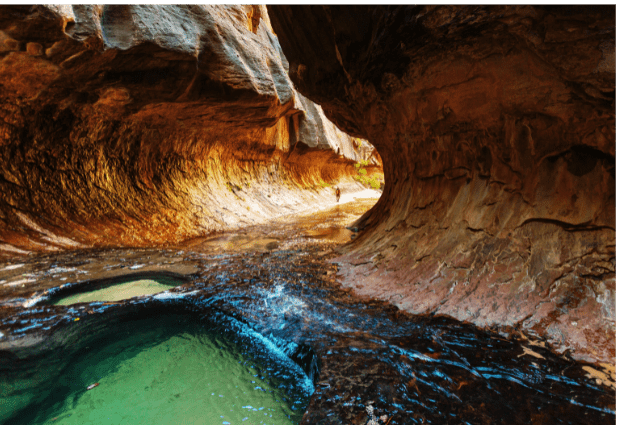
column 154, row 158
column 260, row 313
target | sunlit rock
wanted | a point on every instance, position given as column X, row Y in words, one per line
column 150, row 124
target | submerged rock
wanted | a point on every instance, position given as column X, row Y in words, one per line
column 496, row 125
column 149, row 124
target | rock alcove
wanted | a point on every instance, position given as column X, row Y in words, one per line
column 150, row 127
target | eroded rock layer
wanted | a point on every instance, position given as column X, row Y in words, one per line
column 496, row 126
column 141, row 125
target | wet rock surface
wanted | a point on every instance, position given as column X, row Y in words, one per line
column 369, row 359
column 496, row 125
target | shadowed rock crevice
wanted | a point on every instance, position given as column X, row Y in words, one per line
column 496, row 125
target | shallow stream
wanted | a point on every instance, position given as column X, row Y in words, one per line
column 271, row 313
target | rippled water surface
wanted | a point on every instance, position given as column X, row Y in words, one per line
column 370, row 363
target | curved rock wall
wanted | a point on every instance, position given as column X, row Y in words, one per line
column 496, row 126
column 141, row 125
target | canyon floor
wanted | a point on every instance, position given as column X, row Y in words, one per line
column 369, row 362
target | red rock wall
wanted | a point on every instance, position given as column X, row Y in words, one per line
column 142, row 125
column 496, row 126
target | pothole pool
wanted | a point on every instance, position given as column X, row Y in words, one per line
column 158, row 366
column 117, row 289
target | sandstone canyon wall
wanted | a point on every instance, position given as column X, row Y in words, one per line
column 496, row 126
column 146, row 125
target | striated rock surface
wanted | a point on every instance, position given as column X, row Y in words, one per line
column 496, row 125
column 141, row 125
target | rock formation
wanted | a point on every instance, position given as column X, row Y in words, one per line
column 142, row 125
column 496, row 125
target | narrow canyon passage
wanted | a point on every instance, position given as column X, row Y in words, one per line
column 372, row 215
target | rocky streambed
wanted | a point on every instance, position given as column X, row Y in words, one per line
column 353, row 360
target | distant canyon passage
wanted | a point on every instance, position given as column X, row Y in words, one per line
column 496, row 125
column 141, row 126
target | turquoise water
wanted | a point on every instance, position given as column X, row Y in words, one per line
column 171, row 369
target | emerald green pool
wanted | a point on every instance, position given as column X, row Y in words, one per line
column 165, row 369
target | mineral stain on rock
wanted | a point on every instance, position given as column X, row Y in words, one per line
column 183, row 139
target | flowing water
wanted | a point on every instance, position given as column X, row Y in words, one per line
column 267, row 323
